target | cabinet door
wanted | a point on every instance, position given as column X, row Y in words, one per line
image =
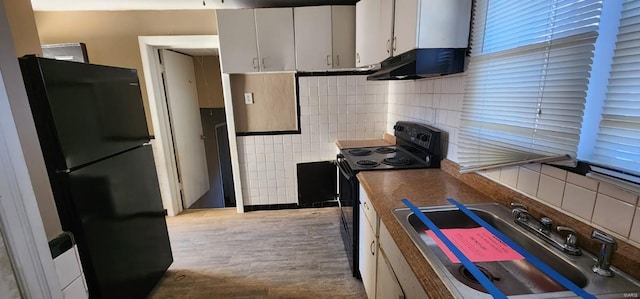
column 367, row 251
column 374, row 29
column 366, row 25
column 313, row 38
column 385, row 30
column 343, row 29
column 405, row 26
column 387, row 285
column 275, row 39
column 237, row 33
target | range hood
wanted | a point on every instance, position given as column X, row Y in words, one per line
column 421, row 63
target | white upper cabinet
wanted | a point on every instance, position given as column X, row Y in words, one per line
column 325, row 37
column 313, row 38
column 405, row 26
column 343, row 29
column 237, row 33
column 275, row 39
column 385, row 29
column 256, row 40
column 443, row 23
column 374, row 28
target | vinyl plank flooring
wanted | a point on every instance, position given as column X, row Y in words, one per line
column 263, row 254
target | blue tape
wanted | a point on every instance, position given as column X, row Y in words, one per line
column 484, row 281
column 532, row 259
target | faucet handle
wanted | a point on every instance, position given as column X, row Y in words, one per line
column 519, row 205
column 547, row 223
column 572, row 240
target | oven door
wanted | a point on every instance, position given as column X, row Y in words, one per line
column 348, row 198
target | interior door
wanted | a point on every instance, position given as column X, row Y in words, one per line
column 184, row 113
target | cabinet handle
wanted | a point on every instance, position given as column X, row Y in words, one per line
column 389, row 46
column 371, row 247
column 255, row 63
column 264, row 65
column 358, row 57
column 395, row 42
column 329, row 60
column 365, row 205
column 338, row 60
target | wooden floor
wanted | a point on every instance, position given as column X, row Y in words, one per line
column 264, row 254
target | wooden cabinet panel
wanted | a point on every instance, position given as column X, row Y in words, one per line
column 274, row 28
column 367, row 255
column 387, row 285
column 313, row 38
column 237, row 33
column 343, row 28
column 405, row 26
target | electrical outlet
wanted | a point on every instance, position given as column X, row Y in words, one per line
column 248, row 98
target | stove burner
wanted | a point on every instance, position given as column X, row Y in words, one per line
column 359, row 152
column 385, row 150
column 367, row 163
column 398, row 161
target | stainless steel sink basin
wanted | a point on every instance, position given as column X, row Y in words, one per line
column 514, row 278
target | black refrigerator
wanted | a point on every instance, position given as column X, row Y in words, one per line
column 91, row 125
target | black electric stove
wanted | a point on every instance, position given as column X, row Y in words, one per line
column 417, row 146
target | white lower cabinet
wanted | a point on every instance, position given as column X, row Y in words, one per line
column 384, row 270
column 387, row 285
column 367, row 254
column 409, row 284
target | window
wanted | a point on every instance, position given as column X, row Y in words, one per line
column 550, row 80
column 527, row 81
column 616, row 151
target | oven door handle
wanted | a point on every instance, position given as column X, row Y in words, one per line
column 344, row 167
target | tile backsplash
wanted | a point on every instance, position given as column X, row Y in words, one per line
column 438, row 101
column 331, row 108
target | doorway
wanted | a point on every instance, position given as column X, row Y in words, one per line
column 218, row 140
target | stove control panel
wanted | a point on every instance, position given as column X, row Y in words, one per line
column 418, row 134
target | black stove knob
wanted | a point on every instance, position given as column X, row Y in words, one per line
column 398, row 128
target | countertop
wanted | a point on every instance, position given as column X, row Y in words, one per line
column 423, row 187
column 431, row 187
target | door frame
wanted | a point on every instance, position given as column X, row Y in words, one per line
column 162, row 145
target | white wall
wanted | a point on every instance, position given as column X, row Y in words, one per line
column 8, row 283
column 438, row 101
column 331, row 108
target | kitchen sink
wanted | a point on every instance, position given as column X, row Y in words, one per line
column 518, row 278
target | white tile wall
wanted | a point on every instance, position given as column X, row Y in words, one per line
column 602, row 205
column 434, row 101
column 336, row 107
column 438, row 101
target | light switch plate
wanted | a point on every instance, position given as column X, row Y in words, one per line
column 248, row 98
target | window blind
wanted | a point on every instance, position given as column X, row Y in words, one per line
column 618, row 140
column 527, row 81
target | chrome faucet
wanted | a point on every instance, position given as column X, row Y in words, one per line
column 542, row 229
column 606, row 253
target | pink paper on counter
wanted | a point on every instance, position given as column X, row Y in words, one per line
column 478, row 244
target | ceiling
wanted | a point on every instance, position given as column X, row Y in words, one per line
column 48, row 5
